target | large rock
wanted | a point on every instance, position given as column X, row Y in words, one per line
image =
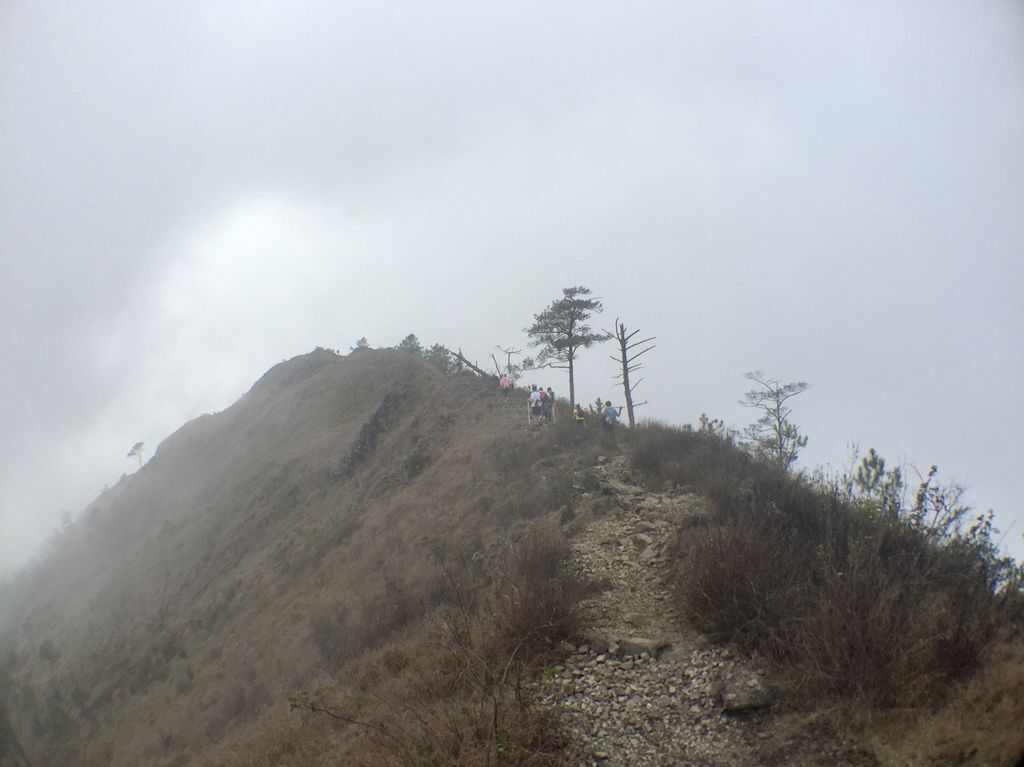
column 741, row 691
column 621, row 488
column 652, row 502
column 597, row 641
column 638, row 645
column 649, row 554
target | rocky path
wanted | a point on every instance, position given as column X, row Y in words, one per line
column 643, row 690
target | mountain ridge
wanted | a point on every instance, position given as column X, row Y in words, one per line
column 400, row 550
column 230, row 540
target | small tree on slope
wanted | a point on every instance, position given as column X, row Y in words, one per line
column 136, row 451
column 773, row 437
column 561, row 331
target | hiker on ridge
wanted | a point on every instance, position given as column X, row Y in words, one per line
column 611, row 415
column 506, row 384
column 549, row 404
column 535, row 404
column 579, row 417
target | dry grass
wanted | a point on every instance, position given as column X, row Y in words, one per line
column 532, row 601
column 979, row 726
column 736, row 583
column 857, row 605
column 669, row 456
column 504, row 617
column 291, row 552
column 452, row 693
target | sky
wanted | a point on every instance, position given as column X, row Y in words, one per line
column 830, row 192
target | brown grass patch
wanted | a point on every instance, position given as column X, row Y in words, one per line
column 453, row 691
column 883, row 609
column 980, row 725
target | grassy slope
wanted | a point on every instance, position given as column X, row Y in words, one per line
column 251, row 554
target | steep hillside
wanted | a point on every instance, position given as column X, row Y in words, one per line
column 247, row 558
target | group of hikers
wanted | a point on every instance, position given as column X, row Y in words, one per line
column 542, row 405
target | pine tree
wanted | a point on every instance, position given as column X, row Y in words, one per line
column 136, row 451
column 773, row 436
column 412, row 345
column 441, row 357
column 561, row 331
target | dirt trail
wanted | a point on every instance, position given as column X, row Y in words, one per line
column 643, row 689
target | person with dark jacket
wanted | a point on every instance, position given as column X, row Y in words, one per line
column 549, row 404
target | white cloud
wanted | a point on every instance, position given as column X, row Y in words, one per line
column 194, row 191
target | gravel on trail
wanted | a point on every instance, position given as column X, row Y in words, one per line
column 641, row 688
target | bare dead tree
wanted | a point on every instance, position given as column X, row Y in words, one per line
column 513, row 370
column 462, row 358
column 627, row 358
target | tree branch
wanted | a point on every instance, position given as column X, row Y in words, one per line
column 641, row 343
column 314, row 707
column 634, row 356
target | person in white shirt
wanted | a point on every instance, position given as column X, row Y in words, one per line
column 535, row 403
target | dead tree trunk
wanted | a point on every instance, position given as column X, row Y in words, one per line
column 512, row 371
column 627, row 358
column 572, row 384
column 462, row 358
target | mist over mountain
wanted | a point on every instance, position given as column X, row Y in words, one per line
column 830, row 192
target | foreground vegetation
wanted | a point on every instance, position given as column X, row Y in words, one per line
column 868, row 593
column 863, row 589
column 453, row 691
